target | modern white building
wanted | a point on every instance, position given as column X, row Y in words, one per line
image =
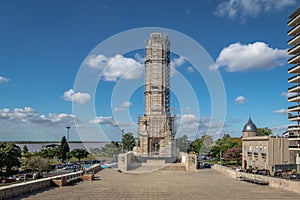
column 294, row 89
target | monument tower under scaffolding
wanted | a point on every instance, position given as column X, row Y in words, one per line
column 156, row 129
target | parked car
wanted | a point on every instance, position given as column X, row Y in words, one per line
column 207, row 165
column 9, row 180
column 263, row 172
column 295, row 176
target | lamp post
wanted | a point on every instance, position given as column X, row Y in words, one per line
column 68, row 131
column 121, row 140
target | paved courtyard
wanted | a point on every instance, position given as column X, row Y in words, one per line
column 204, row 184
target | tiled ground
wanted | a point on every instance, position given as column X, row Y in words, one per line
column 204, row 184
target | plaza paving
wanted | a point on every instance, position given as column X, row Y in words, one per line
column 204, row 184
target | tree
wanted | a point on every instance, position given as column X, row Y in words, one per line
column 263, row 131
column 182, row 143
column 202, row 145
column 233, row 154
column 49, row 152
column 79, row 153
column 10, row 155
column 128, row 141
column 25, row 152
column 39, row 164
column 224, row 143
column 110, row 149
column 63, row 149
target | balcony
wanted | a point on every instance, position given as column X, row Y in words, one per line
column 295, row 88
column 295, row 50
column 295, row 20
column 294, row 127
column 294, row 69
column 295, row 40
column 255, row 154
column 295, row 98
column 294, row 60
column 295, row 108
column 295, row 136
column 294, row 147
column 294, row 118
column 294, row 31
column 294, row 79
column 249, row 152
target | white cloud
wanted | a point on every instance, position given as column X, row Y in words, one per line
column 242, row 9
column 242, row 57
column 3, row 79
column 127, row 104
column 240, row 100
column 193, row 126
column 123, row 107
column 115, row 67
column 119, row 109
column 28, row 115
column 279, row 129
column 104, row 120
column 288, row 94
column 177, row 62
column 190, row 69
column 78, row 97
column 139, row 58
column 281, row 112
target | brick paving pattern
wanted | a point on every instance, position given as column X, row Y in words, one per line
column 204, row 184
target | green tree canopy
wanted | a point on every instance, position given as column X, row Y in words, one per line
column 10, row 155
column 63, row 149
column 79, row 153
column 25, row 151
column 202, row 145
column 183, row 143
column 224, row 143
column 39, row 164
column 128, row 141
column 50, row 152
column 263, row 131
column 110, row 149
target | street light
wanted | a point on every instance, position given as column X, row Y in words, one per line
column 121, row 140
column 68, row 131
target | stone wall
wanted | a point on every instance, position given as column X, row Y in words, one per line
column 128, row 161
column 7, row 192
column 190, row 161
column 286, row 184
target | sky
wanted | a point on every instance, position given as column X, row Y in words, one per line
column 80, row 64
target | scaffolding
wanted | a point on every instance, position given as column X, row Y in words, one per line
column 157, row 128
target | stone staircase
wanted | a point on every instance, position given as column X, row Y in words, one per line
column 174, row 167
column 152, row 166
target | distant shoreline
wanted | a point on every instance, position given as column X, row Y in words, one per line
column 44, row 142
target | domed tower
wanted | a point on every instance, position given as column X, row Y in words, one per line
column 249, row 129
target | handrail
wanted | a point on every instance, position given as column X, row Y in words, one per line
column 293, row 57
column 297, row 26
column 293, row 18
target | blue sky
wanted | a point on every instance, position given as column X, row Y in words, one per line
column 44, row 44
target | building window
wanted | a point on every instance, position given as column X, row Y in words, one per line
column 256, row 148
column 260, row 148
column 256, row 163
column 265, row 164
column 250, row 148
column 265, row 149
